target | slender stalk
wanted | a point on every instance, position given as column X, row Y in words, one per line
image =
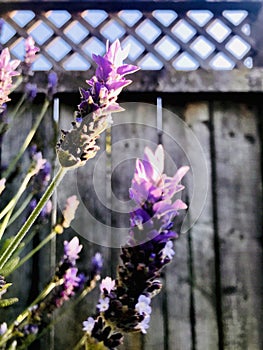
column 73, row 304
column 17, row 108
column 27, row 140
column 18, row 82
column 21, row 208
column 81, row 343
column 9, row 333
column 24, row 229
column 11, row 205
column 34, row 251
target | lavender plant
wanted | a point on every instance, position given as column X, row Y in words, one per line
column 124, row 303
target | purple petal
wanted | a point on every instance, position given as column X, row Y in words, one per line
column 127, row 69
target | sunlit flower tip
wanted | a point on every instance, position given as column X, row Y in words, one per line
column 3, row 328
column 108, row 284
column 143, row 305
column 88, row 325
column 167, row 251
column 2, row 184
column 71, row 250
column 70, row 211
column 7, row 71
column 103, row 304
column 39, row 163
column 6, row 65
column 172, row 184
column 154, row 162
column 31, row 50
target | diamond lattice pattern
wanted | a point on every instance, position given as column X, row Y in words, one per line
column 159, row 39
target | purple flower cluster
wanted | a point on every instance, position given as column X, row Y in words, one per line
column 125, row 302
column 7, row 71
column 97, row 103
column 40, row 180
column 107, row 84
column 31, row 51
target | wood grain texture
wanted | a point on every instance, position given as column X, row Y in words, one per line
column 239, row 195
column 202, row 232
column 177, row 273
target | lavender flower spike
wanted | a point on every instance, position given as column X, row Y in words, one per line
column 71, row 250
column 94, row 111
column 31, row 51
column 7, row 71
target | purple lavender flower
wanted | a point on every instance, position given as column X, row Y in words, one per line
column 3, row 328
column 96, row 264
column 31, row 91
column 52, row 84
column 71, row 250
column 143, row 305
column 94, row 111
column 71, row 283
column 7, row 71
column 107, row 284
column 149, row 248
column 144, row 325
column 88, row 325
column 30, row 329
column 103, row 304
column 31, row 51
column 40, row 181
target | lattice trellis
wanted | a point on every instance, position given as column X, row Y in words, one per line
column 163, row 38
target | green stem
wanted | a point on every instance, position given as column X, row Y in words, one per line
column 72, row 305
column 21, row 208
column 24, row 229
column 27, row 140
column 18, row 82
column 11, row 205
column 9, row 333
column 17, row 108
column 34, row 251
column 81, row 343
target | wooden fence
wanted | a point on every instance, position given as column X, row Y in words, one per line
column 211, row 120
column 212, row 294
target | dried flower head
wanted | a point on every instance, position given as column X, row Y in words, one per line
column 70, row 210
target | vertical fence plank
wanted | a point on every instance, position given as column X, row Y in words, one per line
column 239, row 196
column 202, row 233
column 177, row 273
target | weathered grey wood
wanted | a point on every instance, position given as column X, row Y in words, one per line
column 202, row 233
column 239, row 203
column 236, row 80
column 177, row 273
